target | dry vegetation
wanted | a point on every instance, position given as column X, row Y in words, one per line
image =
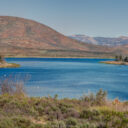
column 26, row 38
column 17, row 110
column 119, row 60
column 4, row 64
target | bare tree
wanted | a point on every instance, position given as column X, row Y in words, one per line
column 13, row 85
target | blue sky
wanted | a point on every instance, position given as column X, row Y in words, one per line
column 107, row 18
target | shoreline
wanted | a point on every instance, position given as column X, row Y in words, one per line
column 9, row 65
column 115, row 62
column 60, row 57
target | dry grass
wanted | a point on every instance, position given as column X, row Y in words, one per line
column 91, row 111
column 13, row 85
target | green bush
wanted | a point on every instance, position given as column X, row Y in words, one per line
column 98, row 99
column 18, row 122
column 47, row 112
column 71, row 122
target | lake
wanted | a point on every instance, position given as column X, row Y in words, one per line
column 70, row 77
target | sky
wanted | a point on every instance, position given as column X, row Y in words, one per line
column 108, row 18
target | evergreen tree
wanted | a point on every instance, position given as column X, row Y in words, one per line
column 2, row 59
column 116, row 58
column 126, row 59
column 120, row 58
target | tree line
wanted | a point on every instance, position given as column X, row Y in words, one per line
column 121, row 58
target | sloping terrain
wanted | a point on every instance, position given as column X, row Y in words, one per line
column 105, row 41
column 22, row 37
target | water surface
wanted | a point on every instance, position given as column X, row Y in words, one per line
column 70, row 77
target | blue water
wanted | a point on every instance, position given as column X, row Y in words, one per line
column 70, row 77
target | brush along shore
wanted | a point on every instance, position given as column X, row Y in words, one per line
column 17, row 110
column 115, row 62
column 4, row 64
column 9, row 65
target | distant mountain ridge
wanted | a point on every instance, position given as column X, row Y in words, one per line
column 122, row 40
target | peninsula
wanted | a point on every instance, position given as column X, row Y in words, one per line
column 119, row 60
column 4, row 64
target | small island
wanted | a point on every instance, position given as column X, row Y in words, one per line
column 4, row 64
column 119, row 60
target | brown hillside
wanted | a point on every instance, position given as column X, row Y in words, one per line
column 22, row 37
column 123, row 49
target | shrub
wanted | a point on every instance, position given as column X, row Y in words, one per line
column 101, row 97
column 47, row 112
column 12, row 85
column 55, row 124
column 98, row 99
column 18, row 122
column 89, row 114
column 71, row 122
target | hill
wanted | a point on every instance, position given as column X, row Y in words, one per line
column 104, row 41
column 23, row 37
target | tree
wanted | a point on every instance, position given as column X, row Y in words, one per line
column 116, row 58
column 120, row 58
column 126, row 59
column 101, row 97
column 2, row 59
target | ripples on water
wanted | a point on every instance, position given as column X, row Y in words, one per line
column 71, row 77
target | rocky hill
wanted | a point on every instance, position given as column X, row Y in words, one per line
column 104, row 41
